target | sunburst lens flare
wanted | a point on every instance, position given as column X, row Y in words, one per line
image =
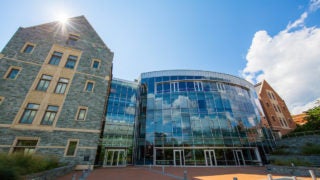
column 63, row 19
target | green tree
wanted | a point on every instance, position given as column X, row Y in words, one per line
column 313, row 118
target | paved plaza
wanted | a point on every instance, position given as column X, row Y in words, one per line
column 174, row 173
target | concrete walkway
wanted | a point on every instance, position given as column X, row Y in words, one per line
column 174, row 173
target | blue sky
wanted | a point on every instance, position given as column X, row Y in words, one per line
column 149, row 35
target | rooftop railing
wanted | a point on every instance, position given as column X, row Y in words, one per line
column 298, row 134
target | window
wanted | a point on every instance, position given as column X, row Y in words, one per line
column 25, row 146
column 28, row 48
column 275, row 108
column 220, row 87
column 44, row 83
column 71, row 148
column 198, row 86
column 55, row 58
column 174, row 87
column 95, row 64
column 283, row 122
column 82, row 113
column 89, row 86
column 159, row 87
column 12, row 73
column 71, row 62
column 61, row 86
column 29, row 113
column 1, row 99
column 73, row 38
column 49, row 115
column 190, row 86
column 278, row 108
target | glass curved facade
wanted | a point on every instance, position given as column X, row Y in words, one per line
column 196, row 118
column 118, row 134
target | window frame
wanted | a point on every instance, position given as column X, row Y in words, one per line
column 72, row 39
column 93, row 62
column 27, row 108
column 86, row 86
column 60, row 82
column 17, row 139
column 45, row 81
column 68, row 147
column 71, row 58
column 50, row 112
column 54, row 54
column 1, row 99
column 25, row 46
column 7, row 74
column 80, row 108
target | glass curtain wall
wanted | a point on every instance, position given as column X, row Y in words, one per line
column 118, row 134
column 197, row 118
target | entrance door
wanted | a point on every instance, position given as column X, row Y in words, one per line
column 210, row 157
column 115, row 157
column 178, row 157
column 238, row 156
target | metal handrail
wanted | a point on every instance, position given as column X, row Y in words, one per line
column 304, row 133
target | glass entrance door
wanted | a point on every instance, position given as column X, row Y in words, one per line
column 210, row 158
column 178, row 157
column 238, row 156
column 115, row 157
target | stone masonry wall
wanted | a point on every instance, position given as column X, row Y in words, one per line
column 44, row 36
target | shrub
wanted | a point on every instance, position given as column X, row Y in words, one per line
column 310, row 149
column 18, row 164
column 8, row 173
column 279, row 152
column 296, row 162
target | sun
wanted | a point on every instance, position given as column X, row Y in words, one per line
column 62, row 18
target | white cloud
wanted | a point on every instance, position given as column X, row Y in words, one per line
column 298, row 23
column 314, row 5
column 289, row 61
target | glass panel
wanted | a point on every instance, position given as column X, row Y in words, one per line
column 95, row 64
column 115, row 158
column 13, row 73
column 25, row 146
column 122, row 158
column 109, row 158
column 159, row 87
column 178, row 157
column 182, row 86
column 44, row 83
column 239, row 158
column 28, row 49
column 89, row 86
column 70, row 63
column 82, row 113
column 55, row 58
column 72, row 148
column 210, row 158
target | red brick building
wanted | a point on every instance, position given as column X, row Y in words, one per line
column 277, row 115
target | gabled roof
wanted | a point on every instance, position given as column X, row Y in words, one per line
column 72, row 25
column 265, row 85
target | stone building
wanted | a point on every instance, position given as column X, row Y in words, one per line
column 277, row 115
column 55, row 79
